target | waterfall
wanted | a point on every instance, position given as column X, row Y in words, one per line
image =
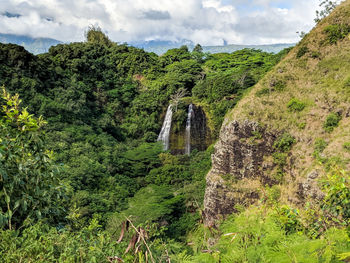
column 188, row 130
column 164, row 134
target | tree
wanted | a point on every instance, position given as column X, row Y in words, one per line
column 175, row 98
column 197, row 53
column 95, row 35
column 328, row 7
column 29, row 186
column 198, row 48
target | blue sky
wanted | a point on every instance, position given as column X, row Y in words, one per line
column 208, row 22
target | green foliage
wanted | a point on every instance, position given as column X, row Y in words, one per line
column 289, row 219
column 284, row 142
column 296, row 105
column 254, row 236
column 29, row 186
column 337, row 189
column 282, row 146
column 197, row 53
column 315, row 54
column 336, row 32
column 153, row 204
column 139, row 161
column 280, row 159
column 278, row 85
column 226, row 78
column 332, row 121
column 328, row 7
column 175, row 55
column 42, row 243
column 95, row 35
column 103, row 103
column 302, row 51
column 262, row 92
column 346, row 146
column 320, row 145
column 301, row 125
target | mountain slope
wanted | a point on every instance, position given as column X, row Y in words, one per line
column 161, row 47
column 33, row 45
column 290, row 128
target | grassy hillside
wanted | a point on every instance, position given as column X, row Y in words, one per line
column 307, row 95
column 279, row 187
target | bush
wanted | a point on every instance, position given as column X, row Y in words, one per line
column 331, row 122
column 254, row 236
column 346, row 146
column 263, row 91
column 284, row 143
column 320, row 145
column 301, row 125
column 296, row 105
column 337, row 189
column 336, row 32
column 279, row 85
column 315, row 54
column 302, row 51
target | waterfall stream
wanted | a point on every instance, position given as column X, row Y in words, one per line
column 188, row 130
column 164, row 134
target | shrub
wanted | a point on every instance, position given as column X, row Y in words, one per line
column 280, row 85
column 336, row 32
column 280, row 159
column 263, row 91
column 289, row 219
column 301, row 125
column 331, row 122
column 320, row 145
column 315, row 54
column 284, row 143
column 337, row 189
column 295, row 105
column 346, row 146
column 302, row 51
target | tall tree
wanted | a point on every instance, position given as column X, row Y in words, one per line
column 95, row 35
column 328, row 6
column 29, row 186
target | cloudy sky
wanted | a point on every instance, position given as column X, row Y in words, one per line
column 208, row 22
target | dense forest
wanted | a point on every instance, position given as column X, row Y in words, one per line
column 91, row 164
column 84, row 179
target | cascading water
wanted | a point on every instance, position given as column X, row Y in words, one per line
column 164, row 134
column 188, row 130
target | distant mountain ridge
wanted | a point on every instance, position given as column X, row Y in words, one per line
column 160, row 47
column 42, row 45
column 33, row 45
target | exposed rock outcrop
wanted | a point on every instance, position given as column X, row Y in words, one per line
column 238, row 166
column 200, row 135
column 309, row 188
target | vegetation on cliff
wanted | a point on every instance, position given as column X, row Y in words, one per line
column 103, row 104
column 90, row 184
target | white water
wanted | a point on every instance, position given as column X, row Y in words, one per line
column 164, row 134
column 188, row 130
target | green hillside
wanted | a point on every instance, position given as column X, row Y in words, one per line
column 89, row 180
column 104, row 105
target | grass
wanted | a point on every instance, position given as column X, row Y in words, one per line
column 296, row 105
column 312, row 90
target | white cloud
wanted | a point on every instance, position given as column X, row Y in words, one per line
column 208, row 22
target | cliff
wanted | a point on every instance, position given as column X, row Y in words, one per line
column 290, row 128
column 200, row 136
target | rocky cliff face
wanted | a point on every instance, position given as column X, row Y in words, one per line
column 315, row 76
column 200, row 133
column 238, row 168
